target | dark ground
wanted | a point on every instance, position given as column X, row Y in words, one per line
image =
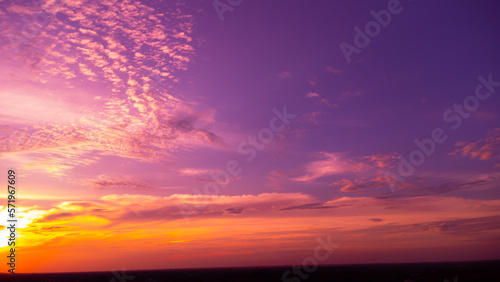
column 429, row 272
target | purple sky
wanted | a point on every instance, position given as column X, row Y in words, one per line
column 118, row 112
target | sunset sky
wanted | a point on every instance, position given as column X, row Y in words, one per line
column 176, row 134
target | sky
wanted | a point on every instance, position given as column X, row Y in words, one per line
column 182, row 134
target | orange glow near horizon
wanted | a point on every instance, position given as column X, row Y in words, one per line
column 75, row 233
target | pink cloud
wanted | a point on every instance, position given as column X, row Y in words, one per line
column 312, row 117
column 325, row 102
column 284, row 74
column 312, row 95
column 331, row 164
column 333, row 70
column 484, row 149
column 365, row 172
column 313, row 81
column 378, row 182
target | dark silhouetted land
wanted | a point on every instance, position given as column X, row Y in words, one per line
column 488, row 271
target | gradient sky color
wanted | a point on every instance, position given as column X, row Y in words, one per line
column 116, row 115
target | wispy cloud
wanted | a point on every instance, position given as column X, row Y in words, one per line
column 330, row 164
column 312, row 95
column 333, row 70
column 104, row 181
column 484, row 149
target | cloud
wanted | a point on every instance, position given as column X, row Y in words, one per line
column 58, row 216
column 150, row 137
column 325, row 102
column 313, row 81
column 414, row 223
column 118, row 207
column 185, row 123
column 382, row 160
column 355, row 173
column 463, row 227
column 358, row 184
column 331, row 164
column 311, row 117
column 113, row 210
column 309, row 206
column 484, row 149
column 439, row 188
column 23, row 10
column 312, row 95
column 30, row 107
column 277, row 179
column 234, row 210
column 104, row 181
column 135, row 117
column 333, row 70
column 284, row 74
column 195, row 171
